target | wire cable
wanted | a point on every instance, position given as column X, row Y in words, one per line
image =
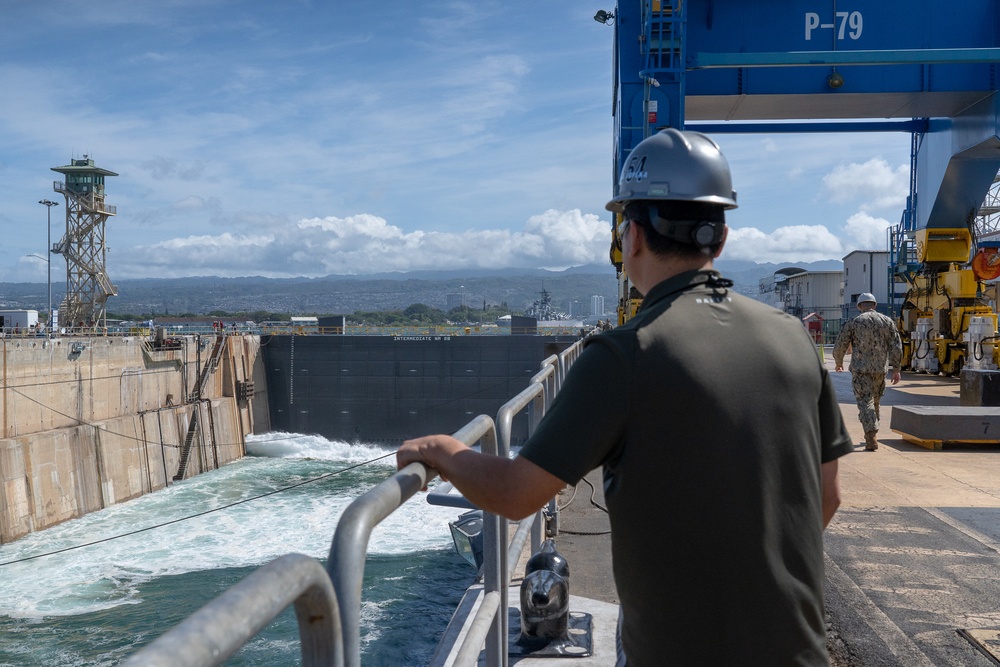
column 593, row 501
column 569, row 502
column 126, row 436
column 144, row 441
column 199, row 514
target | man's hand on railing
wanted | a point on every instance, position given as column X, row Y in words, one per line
column 513, row 488
column 431, row 450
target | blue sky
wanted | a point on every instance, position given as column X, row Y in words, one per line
column 352, row 137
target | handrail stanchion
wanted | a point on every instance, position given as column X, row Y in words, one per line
column 533, row 395
column 548, row 377
column 520, row 537
column 495, row 566
column 545, row 378
column 566, row 359
column 537, row 531
column 346, row 564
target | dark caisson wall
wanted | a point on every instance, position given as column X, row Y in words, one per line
column 384, row 389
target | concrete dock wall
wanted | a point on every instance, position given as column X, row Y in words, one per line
column 91, row 422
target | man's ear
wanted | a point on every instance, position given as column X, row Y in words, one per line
column 638, row 239
column 722, row 243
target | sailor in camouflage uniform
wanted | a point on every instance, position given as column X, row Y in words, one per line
column 873, row 339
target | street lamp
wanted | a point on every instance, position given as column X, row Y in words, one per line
column 48, row 204
column 37, row 256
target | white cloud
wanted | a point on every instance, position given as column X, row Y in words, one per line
column 869, row 232
column 794, row 243
column 459, row 124
column 364, row 244
column 191, row 203
column 875, row 184
column 569, row 238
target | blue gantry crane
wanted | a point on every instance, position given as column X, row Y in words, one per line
column 926, row 68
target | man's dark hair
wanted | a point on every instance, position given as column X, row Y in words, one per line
column 637, row 212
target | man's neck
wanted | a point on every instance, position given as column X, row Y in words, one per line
column 668, row 267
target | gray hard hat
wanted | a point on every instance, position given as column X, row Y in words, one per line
column 675, row 165
column 866, row 297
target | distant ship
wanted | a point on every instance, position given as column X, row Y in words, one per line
column 543, row 310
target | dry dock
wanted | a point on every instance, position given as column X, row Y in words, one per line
column 89, row 421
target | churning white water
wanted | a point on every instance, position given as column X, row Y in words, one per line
column 154, row 560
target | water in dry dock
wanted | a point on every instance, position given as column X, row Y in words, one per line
column 96, row 605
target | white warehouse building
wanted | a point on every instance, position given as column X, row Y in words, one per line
column 868, row 271
column 815, row 292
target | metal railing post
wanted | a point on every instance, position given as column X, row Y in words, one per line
column 495, row 568
column 534, row 397
column 346, row 563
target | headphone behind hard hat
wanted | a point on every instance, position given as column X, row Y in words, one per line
column 699, row 233
column 699, row 224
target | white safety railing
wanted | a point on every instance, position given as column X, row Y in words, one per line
column 328, row 602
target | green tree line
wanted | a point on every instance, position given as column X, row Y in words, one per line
column 417, row 314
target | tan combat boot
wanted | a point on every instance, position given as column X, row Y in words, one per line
column 871, row 443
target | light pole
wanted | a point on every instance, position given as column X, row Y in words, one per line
column 48, row 204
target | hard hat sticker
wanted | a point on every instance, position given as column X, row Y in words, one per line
column 636, row 170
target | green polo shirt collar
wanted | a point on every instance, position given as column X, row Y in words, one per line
column 679, row 283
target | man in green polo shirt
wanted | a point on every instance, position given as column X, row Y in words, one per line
column 717, row 428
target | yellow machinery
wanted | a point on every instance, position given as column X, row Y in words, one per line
column 946, row 297
column 629, row 298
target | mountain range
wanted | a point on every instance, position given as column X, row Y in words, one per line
column 570, row 290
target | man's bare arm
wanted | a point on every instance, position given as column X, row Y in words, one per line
column 511, row 487
column 831, row 491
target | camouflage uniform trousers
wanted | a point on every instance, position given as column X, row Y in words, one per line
column 868, row 390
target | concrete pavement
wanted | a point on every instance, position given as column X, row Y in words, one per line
column 913, row 554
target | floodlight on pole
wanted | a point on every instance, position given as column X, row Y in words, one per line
column 607, row 18
column 48, row 204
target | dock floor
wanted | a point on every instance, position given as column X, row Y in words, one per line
column 913, row 553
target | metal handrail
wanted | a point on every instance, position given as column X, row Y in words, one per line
column 566, row 359
column 532, row 397
column 216, row 631
column 547, row 377
column 350, row 542
column 496, row 639
column 479, row 630
column 328, row 602
column 346, row 564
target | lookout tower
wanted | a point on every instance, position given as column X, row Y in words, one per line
column 87, row 284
